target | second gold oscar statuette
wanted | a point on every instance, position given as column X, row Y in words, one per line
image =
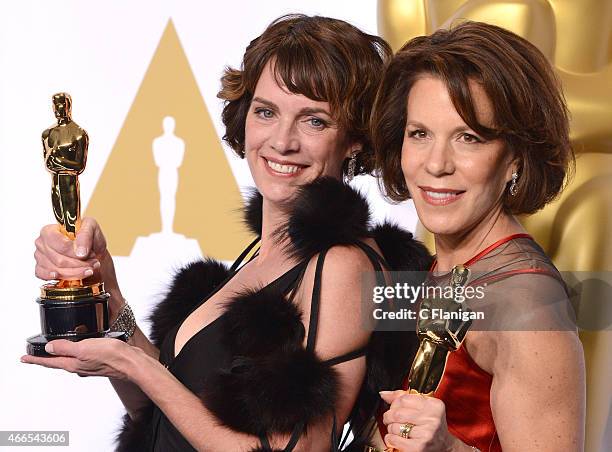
column 437, row 338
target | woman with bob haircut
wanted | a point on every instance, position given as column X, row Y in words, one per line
column 270, row 353
column 471, row 123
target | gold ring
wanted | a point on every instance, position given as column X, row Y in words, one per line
column 405, row 430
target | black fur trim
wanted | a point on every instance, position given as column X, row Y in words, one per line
column 252, row 215
column 273, row 382
column 401, row 251
column 135, row 434
column 190, row 286
column 325, row 213
column 259, row 322
column 273, row 393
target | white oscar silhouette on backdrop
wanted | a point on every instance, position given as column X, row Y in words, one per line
column 168, row 153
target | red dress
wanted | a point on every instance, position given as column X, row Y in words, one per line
column 465, row 390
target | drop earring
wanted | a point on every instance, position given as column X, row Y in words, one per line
column 350, row 173
column 513, row 185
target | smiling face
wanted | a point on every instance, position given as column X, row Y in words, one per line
column 456, row 177
column 290, row 140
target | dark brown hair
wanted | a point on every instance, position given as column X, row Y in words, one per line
column 530, row 114
column 321, row 58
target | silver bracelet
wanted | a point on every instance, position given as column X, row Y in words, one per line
column 125, row 321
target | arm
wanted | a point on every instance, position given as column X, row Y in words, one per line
column 538, row 388
column 132, row 397
column 538, row 391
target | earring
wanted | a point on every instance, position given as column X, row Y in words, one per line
column 513, row 188
column 350, row 173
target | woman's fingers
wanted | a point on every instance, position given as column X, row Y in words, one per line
column 71, row 269
column 51, row 238
column 396, row 429
column 401, row 415
column 89, row 242
column 53, row 362
column 429, row 431
column 63, row 347
column 89, row 357
column 89, row 239
column 390, row 396
column 50, row 258
column 56, row 255
column 402, row 444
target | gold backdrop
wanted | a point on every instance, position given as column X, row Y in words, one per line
column 576, row 35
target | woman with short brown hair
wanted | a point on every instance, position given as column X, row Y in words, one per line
column 321, row 58
column 471, row 124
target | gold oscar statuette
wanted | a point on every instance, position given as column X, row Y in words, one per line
column 69, row 309
column 437, row 338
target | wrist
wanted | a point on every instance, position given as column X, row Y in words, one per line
column 135, row 362
column 115, row 303
column 144, row 369
column 106, row 274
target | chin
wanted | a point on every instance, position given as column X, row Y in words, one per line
column 439, row 224
column 276, row 193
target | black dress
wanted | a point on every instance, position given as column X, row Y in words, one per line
column 250, row 366
column 206, row 347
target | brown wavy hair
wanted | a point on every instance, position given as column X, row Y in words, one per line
column 530, row 113
column 321, row 58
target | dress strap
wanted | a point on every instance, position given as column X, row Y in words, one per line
column 313, row 324
column 244, row 254
column 491, row 247
column 487, row 250
column 295, row 436
column 377, row 262
column 298, row 429
column 346, row 357
column 265, row 443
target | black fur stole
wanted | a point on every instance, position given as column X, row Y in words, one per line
column 273, row 382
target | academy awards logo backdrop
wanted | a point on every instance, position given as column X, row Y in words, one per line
column 168, row 168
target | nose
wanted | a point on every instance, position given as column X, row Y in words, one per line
column 440, row 159
column 284, row 138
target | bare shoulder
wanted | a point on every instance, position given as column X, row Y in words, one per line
column 346, row 260
column 340, row 326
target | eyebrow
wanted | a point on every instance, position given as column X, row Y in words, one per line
column 303, row 111
column 464, row 128
column 312, row 111
column 265, row 102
